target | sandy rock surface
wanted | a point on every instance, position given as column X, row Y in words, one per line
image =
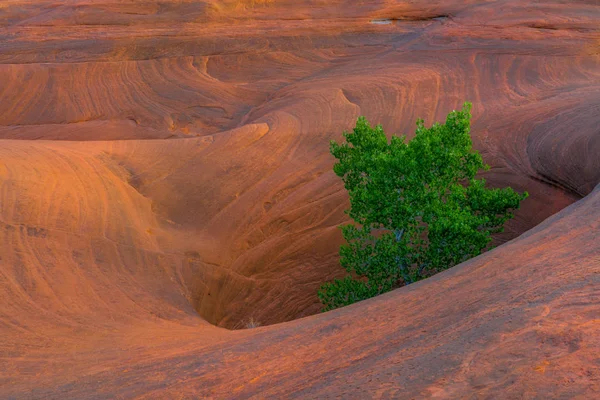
column 165, row 178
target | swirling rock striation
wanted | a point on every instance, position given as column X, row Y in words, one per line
column 180, row 179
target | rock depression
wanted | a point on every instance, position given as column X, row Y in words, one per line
column 164, row 168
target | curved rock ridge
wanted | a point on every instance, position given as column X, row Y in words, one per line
column 518, row 319
column 164, row 168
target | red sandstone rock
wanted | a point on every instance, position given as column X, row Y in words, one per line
column 116, row 256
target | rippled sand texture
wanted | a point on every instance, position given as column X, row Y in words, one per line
column 164, row 168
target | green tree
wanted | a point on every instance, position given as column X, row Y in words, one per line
column 417, row 207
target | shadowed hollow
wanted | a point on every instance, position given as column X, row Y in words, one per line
column 165, row 174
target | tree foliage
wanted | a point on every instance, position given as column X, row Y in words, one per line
column 417, row 206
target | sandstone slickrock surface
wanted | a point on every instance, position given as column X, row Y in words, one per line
column 164, row 168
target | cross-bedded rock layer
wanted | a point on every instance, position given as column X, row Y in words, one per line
column 116, row 256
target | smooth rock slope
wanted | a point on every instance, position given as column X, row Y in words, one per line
column 164, row 168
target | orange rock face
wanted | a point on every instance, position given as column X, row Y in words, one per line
column 164, row 168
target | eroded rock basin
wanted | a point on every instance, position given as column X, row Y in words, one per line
column 118, row 257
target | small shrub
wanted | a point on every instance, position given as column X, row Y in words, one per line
column 417, row 207
column 252, row 323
